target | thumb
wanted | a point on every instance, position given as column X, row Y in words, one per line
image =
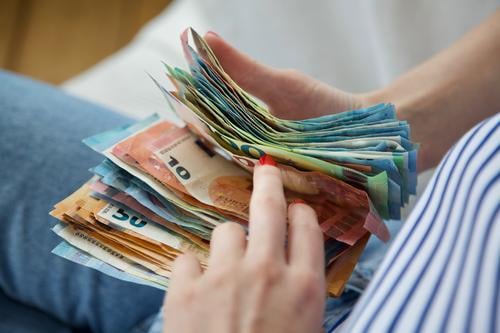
column 252, row 76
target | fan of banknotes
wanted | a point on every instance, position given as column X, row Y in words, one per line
column 162, row 188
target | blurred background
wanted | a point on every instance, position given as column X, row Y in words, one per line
column 101, row 50
column 53, row 40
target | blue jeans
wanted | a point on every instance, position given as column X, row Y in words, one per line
column 42, row 161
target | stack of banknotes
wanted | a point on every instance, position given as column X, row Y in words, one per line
column 162, row 188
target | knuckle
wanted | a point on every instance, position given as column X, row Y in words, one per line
column 218, row 280
column 271, row 202
column 275, row 202
column 228, row 228
column 304, row 210
column 183, row 259
column 305, row 216
column 309, row 211
column 265, row 271
column 309, row 285
column 311, row 227
column 268, row 174
column 183, row 297
column 261, row 265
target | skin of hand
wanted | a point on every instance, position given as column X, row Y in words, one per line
column 254, row 285
column 441, row 98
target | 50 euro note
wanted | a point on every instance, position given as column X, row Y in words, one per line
column 131, row 223
column 150, row 200
column 175, row 155
column 103, row 253
column 155, row 260
column 76, row 255
column 140, row 241
column 129, row 204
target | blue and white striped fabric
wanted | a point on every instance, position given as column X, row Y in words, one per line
column 442, row 272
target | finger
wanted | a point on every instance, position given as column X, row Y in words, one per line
column 267, row 226
column 227, row 245
column 305, row 238
column 252, row 76
column 185, row 270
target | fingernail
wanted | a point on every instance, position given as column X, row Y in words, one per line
column 297, row 201
column 267, row 160
column 213, row 34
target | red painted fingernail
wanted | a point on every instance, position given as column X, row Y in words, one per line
column 267, row 160
column 213, row 34
column 297, row 201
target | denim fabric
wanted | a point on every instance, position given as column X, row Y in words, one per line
column 18, row 318
column 42, row 160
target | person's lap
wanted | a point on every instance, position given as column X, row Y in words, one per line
column 42, row 161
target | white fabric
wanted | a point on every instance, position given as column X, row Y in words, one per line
column 356, row 45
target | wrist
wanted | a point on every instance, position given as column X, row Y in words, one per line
column 372, row 97
column 385, row 95
column 413, row 108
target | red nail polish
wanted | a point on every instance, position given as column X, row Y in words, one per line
column 267, row 160
column 297, row 201
column 213, row 34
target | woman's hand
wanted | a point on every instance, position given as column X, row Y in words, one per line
column 257, row 285
column 289, row 94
